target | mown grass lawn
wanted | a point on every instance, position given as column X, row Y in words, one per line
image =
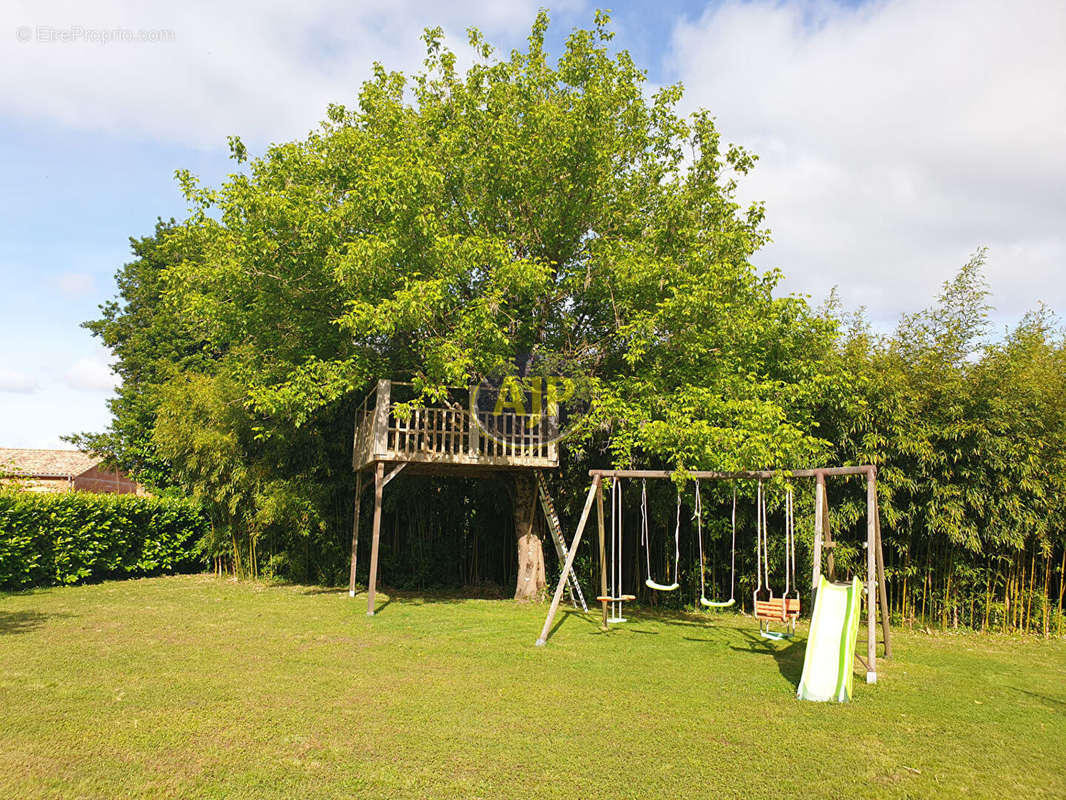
column 194, row 686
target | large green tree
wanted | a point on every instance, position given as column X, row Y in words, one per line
column 457, row 225
column 151, row 344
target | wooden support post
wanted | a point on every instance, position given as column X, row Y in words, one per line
column 372, row 583
column 355, row 533
column 882, row 585
column 819, row 527
column 827, row 538
column 569, row 561
column 827, row 544
column 871, row 577
column 603, row 551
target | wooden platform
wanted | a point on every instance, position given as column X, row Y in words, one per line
column 450, row 440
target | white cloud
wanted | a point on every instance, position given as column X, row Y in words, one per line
column 18, row 382
column 895, row 139
column 76, row 283
column 263, row 70
column 91, row 374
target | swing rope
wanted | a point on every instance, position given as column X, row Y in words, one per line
column 790, row 544
column 761, row 546
column 646, row 541
column 785, row 609
column 788, row 538
column 733, row 558
column 613, row 569
column 616, row 552
column 613, row 591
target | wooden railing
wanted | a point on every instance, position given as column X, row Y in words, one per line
column 515, row 437
column 447, row 436
column 430, row 430
column 363, row 446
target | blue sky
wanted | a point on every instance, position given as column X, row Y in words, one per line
column 895, row 137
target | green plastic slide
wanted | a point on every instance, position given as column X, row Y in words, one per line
column 831, row 644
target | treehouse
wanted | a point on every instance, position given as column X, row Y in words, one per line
column 470, row 433
column 454, row 438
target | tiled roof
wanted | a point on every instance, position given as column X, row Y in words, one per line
column 35, row 463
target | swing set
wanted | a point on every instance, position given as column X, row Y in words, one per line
column 768, row 608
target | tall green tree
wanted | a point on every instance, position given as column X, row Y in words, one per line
column 457, row 225
column 151, row 344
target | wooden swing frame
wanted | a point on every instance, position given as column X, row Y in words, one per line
column 875, row 563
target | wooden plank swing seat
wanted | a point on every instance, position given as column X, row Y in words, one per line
column 785, row 610
column 777, row 609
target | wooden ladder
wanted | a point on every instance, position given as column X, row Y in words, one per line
column 561, row 547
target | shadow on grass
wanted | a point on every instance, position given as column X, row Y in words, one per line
column 409, row 596
column 1052, row 702
column 379, row 607
column 414, row 597
column 789, row 658
column 565, row 613
column 12, row 622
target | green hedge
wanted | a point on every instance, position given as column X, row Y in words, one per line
column 48, row 539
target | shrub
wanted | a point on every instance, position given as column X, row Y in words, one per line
column 48, row 539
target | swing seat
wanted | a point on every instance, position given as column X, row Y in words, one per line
column 716, row 603
column 625, row 598
column 662, row 587
column 777, row 609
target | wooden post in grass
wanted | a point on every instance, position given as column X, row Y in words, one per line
column 819, row 527
column 372, row 584
column 603, row 551
column 871, row 579
column 355, row 533
column 569, row 561
column 882, row 585
column 827, row 538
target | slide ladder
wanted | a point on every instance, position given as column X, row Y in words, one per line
column 561, row 547
column 827, row 663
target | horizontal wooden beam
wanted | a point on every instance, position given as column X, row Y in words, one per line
column 459, row 460
column 866, row 469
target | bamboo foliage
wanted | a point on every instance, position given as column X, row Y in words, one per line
column 969, row 434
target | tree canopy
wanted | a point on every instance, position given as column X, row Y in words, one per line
column 455, row 226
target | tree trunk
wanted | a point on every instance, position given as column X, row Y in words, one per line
column 531, row 582
column 1029, row 596
column 1062, row 588
column 903, row 594
column 1047, row 584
